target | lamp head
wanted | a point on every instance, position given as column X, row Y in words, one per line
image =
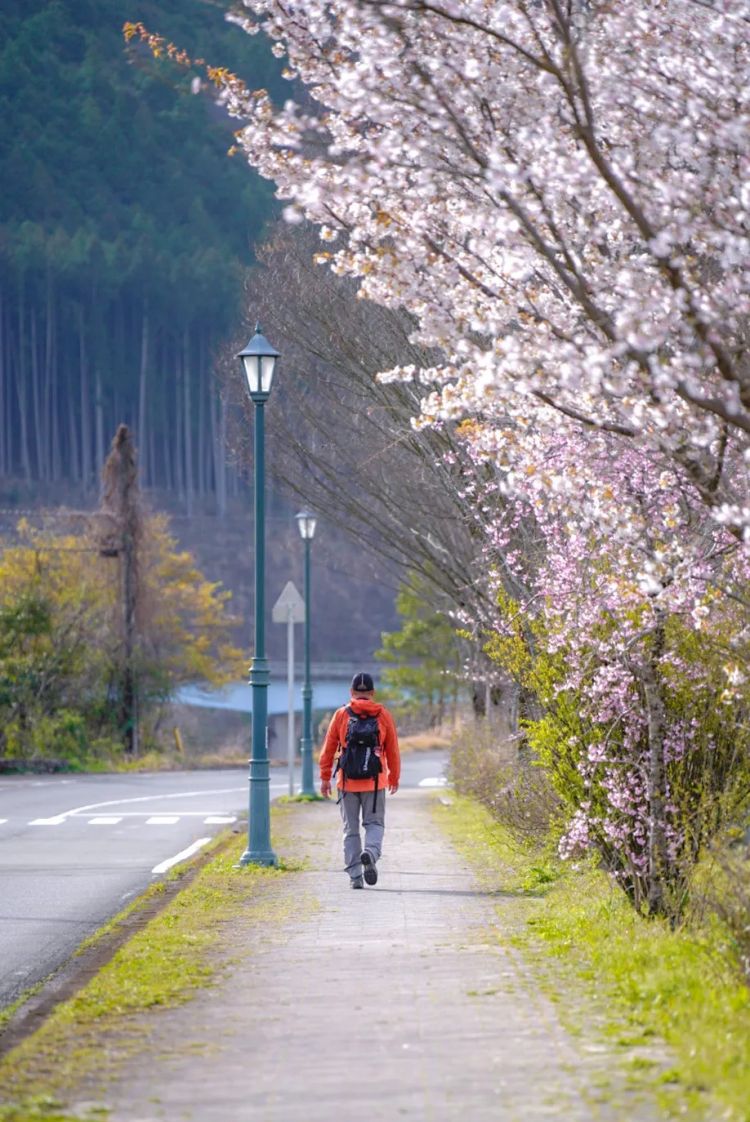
column 307, row 523
column 258, row 362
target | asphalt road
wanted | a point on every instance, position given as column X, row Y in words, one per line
column 75, row 849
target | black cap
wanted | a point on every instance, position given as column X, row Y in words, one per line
column 362, row 683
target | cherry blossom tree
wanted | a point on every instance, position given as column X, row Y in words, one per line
column 643, row 726
column 557, row 191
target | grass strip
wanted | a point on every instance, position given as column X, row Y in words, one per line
column 162, row 965
column 640, row 981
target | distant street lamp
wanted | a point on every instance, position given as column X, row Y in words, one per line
column 306, row 523
column 258, row 361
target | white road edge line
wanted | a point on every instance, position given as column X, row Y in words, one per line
column 181, row 856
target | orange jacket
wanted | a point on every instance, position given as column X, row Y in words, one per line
column 336, row 737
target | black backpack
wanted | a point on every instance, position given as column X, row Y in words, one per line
column 359, row 757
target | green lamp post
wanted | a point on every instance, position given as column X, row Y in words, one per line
column 258, row 362
column 307, row 523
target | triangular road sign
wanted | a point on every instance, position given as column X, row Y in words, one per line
column 289, row 606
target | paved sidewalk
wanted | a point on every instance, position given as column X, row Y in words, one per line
column 392, row 1003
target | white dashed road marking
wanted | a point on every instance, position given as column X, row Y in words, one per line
column 434, row 781
column 181, row 856
column 150, row 819
column 80, row 810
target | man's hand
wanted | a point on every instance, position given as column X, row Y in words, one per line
column 325, row 790
column 393, row 788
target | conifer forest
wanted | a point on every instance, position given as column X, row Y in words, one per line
column 124, row 234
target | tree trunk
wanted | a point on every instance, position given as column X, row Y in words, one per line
column 141, row 428
column 169, row 424
column 201, row 450
column 52, row 375
column 83, row 378
column 4, row 402
column 21, row 391
column 187, row 421
column 152, row 455
column 177, row 428
column 658, row 857
column 478, row 700
column 99, row 423
column 36, row 397
column 129, row 708
column 120, row 502
column 220, row 454
column 74, row 467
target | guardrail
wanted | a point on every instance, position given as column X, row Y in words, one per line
column 338, row 671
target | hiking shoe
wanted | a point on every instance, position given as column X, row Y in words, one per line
column 371, row 873
column 357, row 882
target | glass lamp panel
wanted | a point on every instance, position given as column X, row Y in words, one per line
column 252, row 372
column 267, row 364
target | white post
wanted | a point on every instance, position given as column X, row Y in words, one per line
column 290, row 689
column 290, row 609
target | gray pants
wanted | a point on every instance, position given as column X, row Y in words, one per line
column 352, row 804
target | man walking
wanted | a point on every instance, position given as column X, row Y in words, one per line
column 362, row 742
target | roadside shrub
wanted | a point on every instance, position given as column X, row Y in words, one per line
column 515, row 790
column 59, row 737
column 722, row 890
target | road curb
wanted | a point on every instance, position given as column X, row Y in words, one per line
column 99, row 948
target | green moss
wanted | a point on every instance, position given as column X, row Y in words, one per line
column 285, row 800
column 10, row 1011
column 45, row 1109
column 646, row 982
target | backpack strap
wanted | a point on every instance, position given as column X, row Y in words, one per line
column 342, row 747
column 377, row 777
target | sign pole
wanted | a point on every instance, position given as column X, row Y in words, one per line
column 289, row 609
column 290, row 694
